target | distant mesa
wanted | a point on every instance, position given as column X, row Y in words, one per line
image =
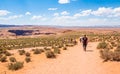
column 29, row 32
column 21, row 32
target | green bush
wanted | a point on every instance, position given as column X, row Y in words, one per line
column 102, row 45
column 21, row 52
column 3, row 59
column 50, row 54
column 57, row 50
column 15, row 65
column 27, row 54
column 12, row 59
column 28, row 59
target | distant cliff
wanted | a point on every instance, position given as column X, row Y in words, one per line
column 1, row 25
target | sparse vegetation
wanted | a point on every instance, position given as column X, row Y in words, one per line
column 37, row 51
column 64, row 48
column 3, row 59
column 21, row 52
column 27, row 59
column 109, row 46
column 56, row 50
column 110, row 50
column 102, row 45
column 50, row 54
column 8, row 53
column 27, row 54
column 15, row 65
column 12, row 59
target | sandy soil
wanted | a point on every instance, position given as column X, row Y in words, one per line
column 71, row 61
column 76, row 61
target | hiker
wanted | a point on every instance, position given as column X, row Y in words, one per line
column 84, row 41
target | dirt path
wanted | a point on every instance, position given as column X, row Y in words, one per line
column 73, row 61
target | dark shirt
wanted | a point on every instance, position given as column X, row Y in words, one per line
column 84, row 40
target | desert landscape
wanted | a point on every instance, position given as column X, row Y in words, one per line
column 52, row 50
column 59, row 36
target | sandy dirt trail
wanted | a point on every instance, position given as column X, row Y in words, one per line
column 73, row 61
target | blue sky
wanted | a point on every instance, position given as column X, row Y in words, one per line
column 60, row 12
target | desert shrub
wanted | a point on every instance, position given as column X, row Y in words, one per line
column 46, row 48
column 12, row 59
column 27, row 59
column 106, row 54
column 50, row 54
column 64, row 48
column 37, row 51
column 8, row 53
column 15, row 65
column 27, row 54
column 110, row 55
column 4, row 51
column 57, row 50
column 41, row 50
column 60, row 46
column 21, row 52
column 116, row 56
column 3, row 59
column 70, row 45
column 102, row 45
column 113, row 44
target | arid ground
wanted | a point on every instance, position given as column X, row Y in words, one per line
column 71, row 61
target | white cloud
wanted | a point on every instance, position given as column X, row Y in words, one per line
column 56, row 14
column 102, row 11
column 39, row 17
column 11, row 17
column 52, row 9
column 4, row 12
column 63, row 20
column 27, row 13
column 83, row 13
column 63, row 1
column 65, row 13
column 107, row 12
column 116, row 12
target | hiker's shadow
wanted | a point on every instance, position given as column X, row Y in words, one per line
column 89, row 50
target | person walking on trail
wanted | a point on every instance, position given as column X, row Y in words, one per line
column 84, row 41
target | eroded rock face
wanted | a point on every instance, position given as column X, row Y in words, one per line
column 21, row 32
column 29, row 32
